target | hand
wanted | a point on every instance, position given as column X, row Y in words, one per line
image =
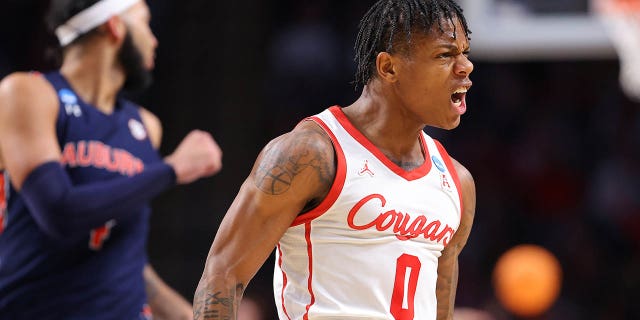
column 197, row 156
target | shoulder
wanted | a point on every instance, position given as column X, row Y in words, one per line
column 307, row 137
column 463, row 173
column 467, row 188
column 153, row 125
column 24, row 93
column 303, row 157
column 27, row 85
column 465, row 177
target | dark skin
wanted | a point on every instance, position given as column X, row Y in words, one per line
column 296, row 170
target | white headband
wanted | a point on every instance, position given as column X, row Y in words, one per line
column 90, row 18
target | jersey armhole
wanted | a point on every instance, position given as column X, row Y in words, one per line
column 454, row 172
column 338, row 181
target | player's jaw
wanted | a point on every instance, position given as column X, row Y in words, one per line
column 133, row 62
column 450, row 105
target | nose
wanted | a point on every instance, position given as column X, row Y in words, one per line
column 154, row 40
column 463, row 66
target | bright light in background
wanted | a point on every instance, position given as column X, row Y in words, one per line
column 505, row 30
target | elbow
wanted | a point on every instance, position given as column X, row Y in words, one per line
column 215, row 277
column 56, row 226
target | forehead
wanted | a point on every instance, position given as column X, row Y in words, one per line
column 448, row 31
column 139, row 10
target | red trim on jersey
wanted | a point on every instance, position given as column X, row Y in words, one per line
column 3, row 201
column 338, row 181
column 452, row 169
column 414, row 174
column 307, row 236
column 284, row 281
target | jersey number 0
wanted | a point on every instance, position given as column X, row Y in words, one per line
column 404, row 287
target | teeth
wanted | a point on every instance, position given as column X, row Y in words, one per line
column 460, row 90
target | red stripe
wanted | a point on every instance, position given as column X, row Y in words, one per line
column 284, row 282
column 452, row 169
column 338, row 181
column 307, row 236
column 414, row 174
column 3, row 201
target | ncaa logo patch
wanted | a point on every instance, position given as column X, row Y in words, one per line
column 438, row 163
column 137, row 129
column 70, row 101
column 67, row 96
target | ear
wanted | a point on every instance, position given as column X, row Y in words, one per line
column 115, row 28
column 386, row 67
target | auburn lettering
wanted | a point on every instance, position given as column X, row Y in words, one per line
column 404, row 226
column 100, row 155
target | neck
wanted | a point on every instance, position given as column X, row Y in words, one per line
column 380, row 117
column 94, row 74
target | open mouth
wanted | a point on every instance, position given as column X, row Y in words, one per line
column 458, row 100
column 458, row 95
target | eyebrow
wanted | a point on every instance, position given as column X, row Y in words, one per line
column 447, row 46
column 450, row 47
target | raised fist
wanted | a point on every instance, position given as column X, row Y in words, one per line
column 197, row 156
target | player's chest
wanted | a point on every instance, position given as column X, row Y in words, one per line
column 382, row 206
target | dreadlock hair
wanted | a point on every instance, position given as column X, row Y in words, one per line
column 389, row 25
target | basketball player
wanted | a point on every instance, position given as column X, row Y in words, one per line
column 83, row 164
column 368, row 214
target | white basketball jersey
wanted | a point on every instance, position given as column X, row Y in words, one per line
column 370, row 250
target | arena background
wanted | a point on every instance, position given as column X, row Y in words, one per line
column 552, row 142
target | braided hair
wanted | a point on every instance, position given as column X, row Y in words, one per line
column 389, row 25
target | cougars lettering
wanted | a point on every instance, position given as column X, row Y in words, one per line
column 404, row 226
column 100, row 155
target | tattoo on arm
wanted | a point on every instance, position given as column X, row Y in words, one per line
column 284, row 160
column 216, row 305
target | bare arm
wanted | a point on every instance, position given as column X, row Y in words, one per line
column 291, row 171
column 28, row 112
column 448, row 263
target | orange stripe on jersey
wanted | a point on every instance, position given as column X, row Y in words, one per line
column 307, row 236
column 3, row 200
column 284, row 282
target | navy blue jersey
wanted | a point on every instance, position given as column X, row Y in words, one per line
column 97, row 275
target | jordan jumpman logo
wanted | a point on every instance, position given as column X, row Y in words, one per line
column 366, row 169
